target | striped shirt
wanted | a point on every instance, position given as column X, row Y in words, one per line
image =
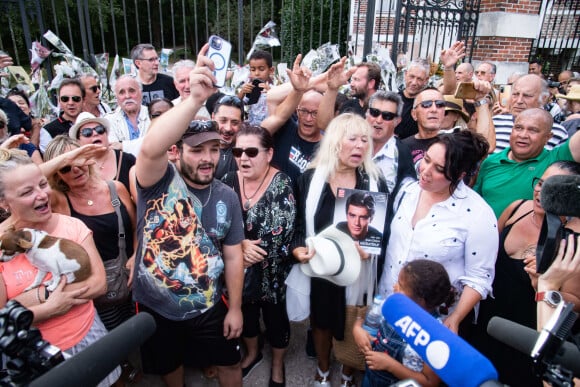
column 503, row 128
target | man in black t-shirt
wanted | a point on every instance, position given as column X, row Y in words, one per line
column 155, row 85
column 416, row 78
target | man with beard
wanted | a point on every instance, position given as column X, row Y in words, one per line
column 196, row 323
column 70, row 101
column 364, row 82
column 131, row 119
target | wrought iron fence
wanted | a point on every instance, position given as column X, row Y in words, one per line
column 558, row 41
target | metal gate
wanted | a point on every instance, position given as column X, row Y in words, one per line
column 425, row 27
column 558, row 41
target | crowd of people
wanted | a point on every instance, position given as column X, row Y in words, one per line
column 213, row 203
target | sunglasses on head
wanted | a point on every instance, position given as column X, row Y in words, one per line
column 250, row 152
column 387, row 116
column 88, row 132
column 65, row 170
column 75, row 98
column 95, row 88
column 439, row 104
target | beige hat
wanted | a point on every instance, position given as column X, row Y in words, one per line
column 336, row 259
column 455, row 105
column 85, row 118
column 573, row 94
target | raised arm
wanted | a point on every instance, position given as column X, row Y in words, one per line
column 485, row 125
column 337, row 76
column 299, row 79
column 169, row 127
column 449, row 58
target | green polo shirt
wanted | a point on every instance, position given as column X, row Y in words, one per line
column 501, row 181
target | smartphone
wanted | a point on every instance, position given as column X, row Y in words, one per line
column 219, row 52
column 505, row 93
column 254, row 96
column 465, row 90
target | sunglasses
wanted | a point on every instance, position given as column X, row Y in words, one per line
column 387, row 116
column 306, row 113
column 88, row 132
column 250, row 152
column 95, row 88
column 439, row 104
column 65, row 170
column 75, row 98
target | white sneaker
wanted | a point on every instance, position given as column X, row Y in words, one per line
column 321, row 381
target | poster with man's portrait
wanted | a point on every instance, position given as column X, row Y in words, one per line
column 361, row 214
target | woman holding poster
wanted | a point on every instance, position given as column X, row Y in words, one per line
column 343, row 161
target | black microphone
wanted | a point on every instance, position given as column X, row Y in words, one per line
column 90, row 366
column 524, row 339
column 554, row 332
column 560, row 196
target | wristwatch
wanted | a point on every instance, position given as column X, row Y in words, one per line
column 481, row 102
column 551, row 297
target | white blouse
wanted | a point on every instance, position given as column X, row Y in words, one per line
column 460, row 233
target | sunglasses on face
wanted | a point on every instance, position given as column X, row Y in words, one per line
column 250, row 152
column 65, row 170
column 387, row 116
column 439, row 104
column 65, row 98
column 88, row 132
column 95, row 88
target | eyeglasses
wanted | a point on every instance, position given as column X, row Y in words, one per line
column 439, row 104
column 65, row 170
column 250, row 152
column 94, row 88
column 387, row 116
column 88, row 132
column 537, row 183
column 151, row 60
column 479, row 72
column 306, row 112
column 75, row 98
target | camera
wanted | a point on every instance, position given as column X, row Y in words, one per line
column 27, row 354
column 215, row 42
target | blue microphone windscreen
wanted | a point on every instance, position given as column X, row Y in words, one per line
column 455, row 361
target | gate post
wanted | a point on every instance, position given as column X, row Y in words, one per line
column 369, row 28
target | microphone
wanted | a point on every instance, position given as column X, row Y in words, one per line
column 455, row 361
column 554, row 332
column 560, row 195
column 90, row 366
column 524, row 339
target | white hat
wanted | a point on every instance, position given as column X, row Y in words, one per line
column 85, row 118
column 336, row 259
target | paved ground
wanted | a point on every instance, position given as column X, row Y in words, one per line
column 299, row 368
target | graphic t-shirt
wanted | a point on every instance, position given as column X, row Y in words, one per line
column 163, row 87
column 178, row 264
column 292, row 154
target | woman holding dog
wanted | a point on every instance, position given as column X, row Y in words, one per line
column 66, row 317
column 343, row 160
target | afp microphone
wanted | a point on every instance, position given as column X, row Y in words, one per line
column 455, row 361
column 524, row 339
column 94, row 363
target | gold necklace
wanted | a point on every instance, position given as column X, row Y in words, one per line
column 534, row 219
column 248, row 202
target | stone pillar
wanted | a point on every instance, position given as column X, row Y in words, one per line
column 505, row 34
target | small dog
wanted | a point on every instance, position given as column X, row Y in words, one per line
column 49, row 254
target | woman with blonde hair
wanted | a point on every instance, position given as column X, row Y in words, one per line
column 343, row 160
column 66, row 316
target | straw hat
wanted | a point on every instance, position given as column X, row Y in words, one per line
column 336, row 259
column 455, row 105
column 573, row 94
